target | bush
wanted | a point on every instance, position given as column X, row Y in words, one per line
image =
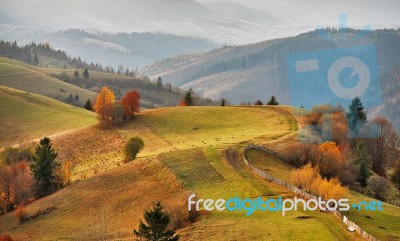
column 308, row 178
column 20, row 214
column 380, row 187
column 132, row 148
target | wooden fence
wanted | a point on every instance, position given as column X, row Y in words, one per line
column 298, row 191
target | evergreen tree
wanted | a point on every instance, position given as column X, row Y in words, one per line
column 76, row 74
column 76, row 98
column 396, row 176
column 70, row 99
column 188, row 100
column 156, row 227
column 356, row 116
column 36, row 59
column 362, row 159
column 273, row 101
column 127, row 72
column 44, row 169
column 223, row 102
column 86, row 73
column 159, row 83
column 258, row 102
column 88, row 105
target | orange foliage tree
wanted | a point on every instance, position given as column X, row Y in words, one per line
column 103, row 106
column 329, row 159
column 131, row 103
column 309, row 179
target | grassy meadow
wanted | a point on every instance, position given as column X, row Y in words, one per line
column 26, row 116
column 185, row 152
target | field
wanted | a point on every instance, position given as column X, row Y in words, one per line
column 37, row 80
column 185, row 152
column 27, row 78
column 26, row 116
column 381, row 224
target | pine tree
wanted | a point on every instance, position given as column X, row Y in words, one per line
column 362, row 159
column 258, row 102
column 76, row 74
column 88, row 105
column 273, row 101
column 396, row 176
column 188, row 100
column 223, row 102
column 35, row 59
column 76, row 98
column 86, row 73
column 356, row 116
column 159, row 83
column 70, row 99
column 156, row 227
column 44, row 169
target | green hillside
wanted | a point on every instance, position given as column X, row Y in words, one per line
column 184, row 153
column 26, row 116
column 17, row 75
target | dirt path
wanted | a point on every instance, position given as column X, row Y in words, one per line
column 232, row 157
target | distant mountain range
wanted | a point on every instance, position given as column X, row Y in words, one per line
column 258, row 71
column 128, row 49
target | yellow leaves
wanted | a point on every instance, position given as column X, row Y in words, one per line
column 308, row 178
column 103, row 105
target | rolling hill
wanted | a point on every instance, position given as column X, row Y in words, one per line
column 26, row 116
column 59, row 83
column 184, row 153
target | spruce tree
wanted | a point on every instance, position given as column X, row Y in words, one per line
column 396, row 176
column 362, row 159
column 35, row 59
column 188, row 99
column 156, row 226
column 258, row 102
column 86, row 73
column 159, row 83
column 70, row 99
column 88, row 105
column 273, row 101
column 44, row 169
column 76, row 98
column 356, row 116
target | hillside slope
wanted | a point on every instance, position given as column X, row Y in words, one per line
column 26, row 116
column 17, row 75
column 258, row 71
column 184, row 153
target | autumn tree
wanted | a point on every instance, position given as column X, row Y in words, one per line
column 7, row 194
column 103, row 106
column 45, row 168
column 379, row 187
column 382, row 138
column 131, row 103
column 273, row 101
column 156, row 224
column 329, row 159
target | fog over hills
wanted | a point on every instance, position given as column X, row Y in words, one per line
column 231, row 22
